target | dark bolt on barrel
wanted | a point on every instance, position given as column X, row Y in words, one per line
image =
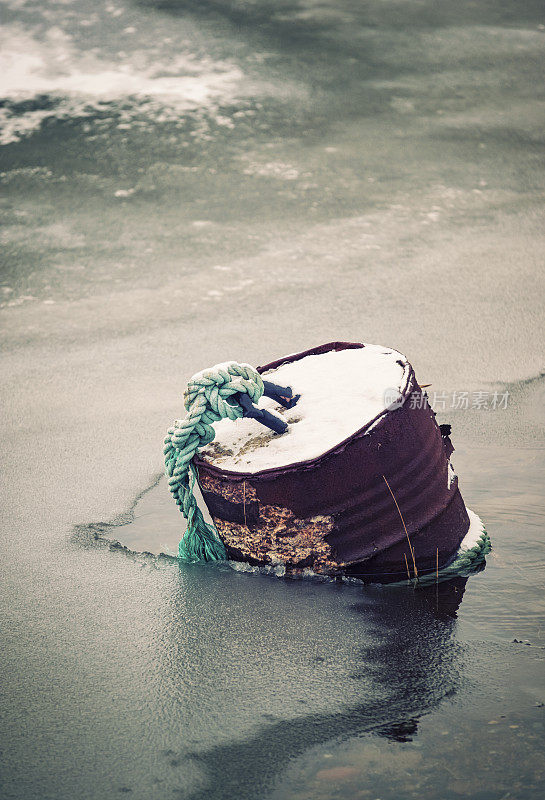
column 375, row 506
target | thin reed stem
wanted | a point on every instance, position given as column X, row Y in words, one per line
column 437, row 579
column 407, row 566
column 244, row 501
column 404, row 526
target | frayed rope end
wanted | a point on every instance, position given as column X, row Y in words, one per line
column 200, row 544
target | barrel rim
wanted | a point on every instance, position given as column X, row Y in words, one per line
column 408, row 382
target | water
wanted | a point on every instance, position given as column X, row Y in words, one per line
column 189, row 182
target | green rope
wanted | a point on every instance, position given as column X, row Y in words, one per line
column 207, row 399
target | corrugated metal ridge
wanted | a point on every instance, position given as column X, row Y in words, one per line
column 341, row 536
column 377, row 493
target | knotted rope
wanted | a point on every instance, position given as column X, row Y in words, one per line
column 207, row 399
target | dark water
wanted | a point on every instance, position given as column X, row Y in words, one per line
column 188, row 182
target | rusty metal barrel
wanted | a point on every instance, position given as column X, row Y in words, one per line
column 379, row 505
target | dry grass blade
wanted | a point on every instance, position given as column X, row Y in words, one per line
column 407, row 566
column 437, row 579
column 404, row 526
column 244, row 502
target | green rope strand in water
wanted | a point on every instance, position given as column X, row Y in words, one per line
column 208, row 398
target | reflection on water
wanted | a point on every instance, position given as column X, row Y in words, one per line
column 338, row 665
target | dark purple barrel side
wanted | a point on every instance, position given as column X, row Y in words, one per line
column 402, row 447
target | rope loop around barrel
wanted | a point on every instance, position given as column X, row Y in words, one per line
column 209, row 397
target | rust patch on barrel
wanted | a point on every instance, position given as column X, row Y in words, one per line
column 279, row 537
column 267, row 534
column 234, row 491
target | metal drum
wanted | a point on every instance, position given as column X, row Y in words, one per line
column 380, row 505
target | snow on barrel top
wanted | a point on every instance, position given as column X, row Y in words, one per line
column 340, row 393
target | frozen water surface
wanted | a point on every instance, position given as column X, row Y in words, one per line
column 186, row 183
